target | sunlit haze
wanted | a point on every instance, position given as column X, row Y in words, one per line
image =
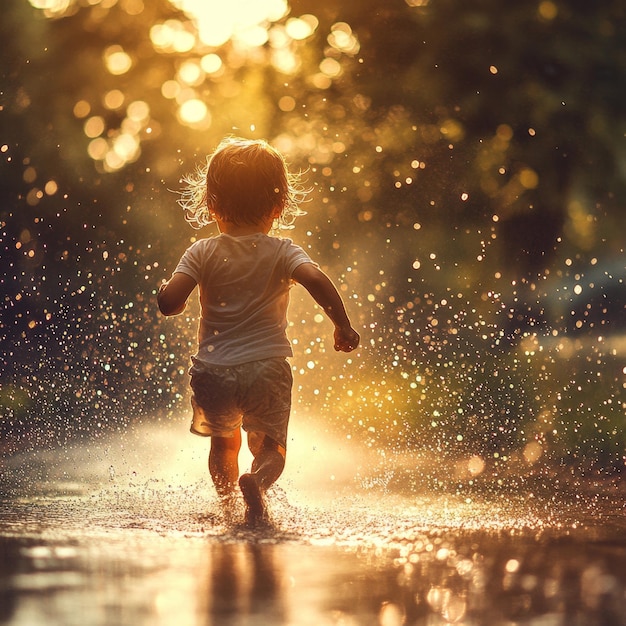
column 478, row 253
column 464, row 171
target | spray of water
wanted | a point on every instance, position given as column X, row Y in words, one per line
column 475, row 374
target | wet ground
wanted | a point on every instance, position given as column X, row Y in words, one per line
column 127, row 532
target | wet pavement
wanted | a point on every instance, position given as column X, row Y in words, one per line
column 90, row 536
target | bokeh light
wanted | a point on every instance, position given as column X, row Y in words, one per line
column 473, row 236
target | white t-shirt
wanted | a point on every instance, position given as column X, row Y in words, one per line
column 244, row 293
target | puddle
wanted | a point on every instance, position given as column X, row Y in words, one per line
column 110, row 535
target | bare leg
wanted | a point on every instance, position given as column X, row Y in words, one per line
column 269, row 462
column 224, row 463
column 268, row 465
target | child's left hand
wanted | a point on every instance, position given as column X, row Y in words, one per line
column 346, row 339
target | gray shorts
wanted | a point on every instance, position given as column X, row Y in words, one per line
column 255, row 396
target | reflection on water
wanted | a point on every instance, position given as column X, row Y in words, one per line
column 104, row 539
column 243, row 581
column 160, row 574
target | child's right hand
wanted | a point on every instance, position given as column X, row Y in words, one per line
column 346, row 339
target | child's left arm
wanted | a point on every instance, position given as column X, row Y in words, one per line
column 326, row 295
column 173, row 294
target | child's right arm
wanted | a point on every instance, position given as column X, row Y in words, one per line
column 173, row 294
column 327, row 296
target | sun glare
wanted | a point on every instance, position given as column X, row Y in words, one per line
column 209, row 42
column 217, row 22
column 51, row 8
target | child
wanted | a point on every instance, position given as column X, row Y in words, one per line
column 240, row 377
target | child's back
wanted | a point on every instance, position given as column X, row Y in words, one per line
column 244, row 293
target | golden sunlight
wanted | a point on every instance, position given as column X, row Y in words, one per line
column 217, row 22
column 51, row 8
column 117, row 61
column 172, row 36
column 301, row 27
column 195, row 113
column 211, row 40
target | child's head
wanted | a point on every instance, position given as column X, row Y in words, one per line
column 244, row 181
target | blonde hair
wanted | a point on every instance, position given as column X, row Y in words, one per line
column 243, row 181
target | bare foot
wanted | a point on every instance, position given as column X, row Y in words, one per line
column 255, row 505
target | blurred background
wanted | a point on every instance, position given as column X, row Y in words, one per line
column 468, row 173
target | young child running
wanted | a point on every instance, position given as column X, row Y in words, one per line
column 240, row 376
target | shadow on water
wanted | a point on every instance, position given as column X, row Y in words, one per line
column 129, row 533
